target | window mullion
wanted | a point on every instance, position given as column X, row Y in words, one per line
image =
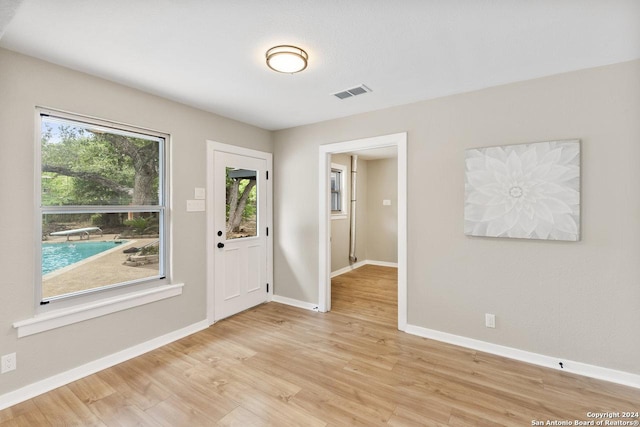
column 100, row 209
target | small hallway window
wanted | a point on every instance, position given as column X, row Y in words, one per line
column 338, row 193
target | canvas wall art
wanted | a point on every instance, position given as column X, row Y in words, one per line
column 529, row 191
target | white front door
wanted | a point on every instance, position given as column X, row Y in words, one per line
column 239, row 232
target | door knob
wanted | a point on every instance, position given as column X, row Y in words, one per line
column 220, row 245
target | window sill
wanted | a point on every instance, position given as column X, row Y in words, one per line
column 67, row 316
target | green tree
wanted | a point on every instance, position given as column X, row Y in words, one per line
column 241, row 199
column 83, row 167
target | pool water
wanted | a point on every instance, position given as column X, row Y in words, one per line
column 59, row 255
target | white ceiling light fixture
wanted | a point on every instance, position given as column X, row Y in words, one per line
column 287, row 59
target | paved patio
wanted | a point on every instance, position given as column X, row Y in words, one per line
column 102, row 269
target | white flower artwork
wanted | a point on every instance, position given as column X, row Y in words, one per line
column 529, row 191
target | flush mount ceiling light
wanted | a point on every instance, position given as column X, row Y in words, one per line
column 287, row 59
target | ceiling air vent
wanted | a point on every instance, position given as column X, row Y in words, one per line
column 358, row 90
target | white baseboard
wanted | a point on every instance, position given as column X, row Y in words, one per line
column 597, row 372
column 347, row 269
column 382, row 263
column 295, row 303
column 360, row 264
column 48, row 384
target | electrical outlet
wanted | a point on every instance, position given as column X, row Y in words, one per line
column 8, row 362
column 490, row 320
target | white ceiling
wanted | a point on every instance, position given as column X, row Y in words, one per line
column 210, row 53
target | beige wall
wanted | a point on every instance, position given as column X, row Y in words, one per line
column 382, row 221
column 26, row 82
column 579, row 301
column 362, row 238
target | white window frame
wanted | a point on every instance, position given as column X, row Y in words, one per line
column 105, row 300
column 344, row 203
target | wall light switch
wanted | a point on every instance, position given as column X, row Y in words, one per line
column 490, row 320
column 195, row 206
column 386, row 202
column 199, row 193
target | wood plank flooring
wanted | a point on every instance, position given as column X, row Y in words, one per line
column 283, row 366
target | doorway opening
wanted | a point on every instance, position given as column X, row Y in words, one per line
column 399, row 143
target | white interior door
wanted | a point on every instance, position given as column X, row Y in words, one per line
column 240, row 228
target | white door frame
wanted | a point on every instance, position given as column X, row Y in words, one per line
column 212, row 147
column 399, row 140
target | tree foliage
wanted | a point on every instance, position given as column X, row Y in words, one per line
column 241, row 201
column 83, row 167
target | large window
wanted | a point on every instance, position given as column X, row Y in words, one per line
column 102, row 209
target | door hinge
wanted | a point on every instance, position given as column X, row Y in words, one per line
column 267, row 174
column 267, row 288
column 267, row 231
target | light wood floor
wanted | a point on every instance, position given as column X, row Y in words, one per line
column 283, row 366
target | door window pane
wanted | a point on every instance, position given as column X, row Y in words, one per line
column 242, row 203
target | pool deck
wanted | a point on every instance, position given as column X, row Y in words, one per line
column 103, row 269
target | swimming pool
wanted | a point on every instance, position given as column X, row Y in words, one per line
column 59, row 255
